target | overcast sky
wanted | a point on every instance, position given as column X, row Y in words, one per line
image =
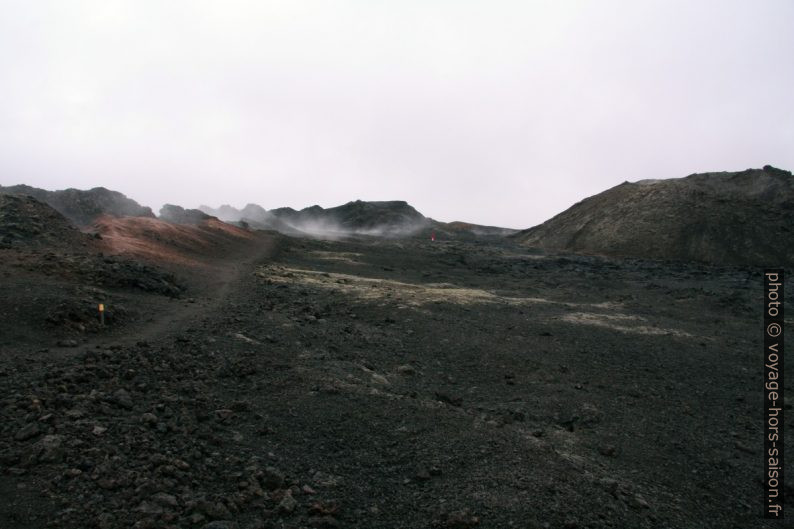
column 500, row 113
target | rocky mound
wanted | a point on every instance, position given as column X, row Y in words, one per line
column 387, row 218
column 252, row 216
column 180, row 215
column 158, row 241
column 24, row 221
column 468, row 231
column 227, row 213
column 742, row 218
column 84, row 207
column 390, row 218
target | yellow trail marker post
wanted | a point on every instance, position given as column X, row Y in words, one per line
column 102, row 313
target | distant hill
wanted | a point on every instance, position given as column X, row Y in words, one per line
column 743, row 218
column 180, row 215
column 390, row 218
column 84, row 207
column 394, row 217
column 466, row 230
column 253, row 216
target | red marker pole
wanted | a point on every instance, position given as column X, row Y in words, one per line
column 102, row 313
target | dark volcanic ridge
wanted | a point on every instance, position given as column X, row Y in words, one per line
column 741, row 217
column 81, row 207
column 387, row 218
column 90, row 209
column 24, row 221
column 391, row 219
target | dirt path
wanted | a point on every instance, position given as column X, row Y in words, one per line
column 209, row 287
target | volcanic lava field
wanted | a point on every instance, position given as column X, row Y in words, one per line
column 377, row 383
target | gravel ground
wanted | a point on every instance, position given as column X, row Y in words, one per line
column 393, row 384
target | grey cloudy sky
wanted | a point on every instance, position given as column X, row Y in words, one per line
column 494, row 112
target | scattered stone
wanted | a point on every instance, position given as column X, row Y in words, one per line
column 245, row 338
column 457, row 520
column 223, row 415
column 123, row 399
column 451, row 400
column 240, row 406
column 67, row 343
column 589, row 415
column 380, row 379
column 323, row 522
column 148, row 507
column 220, row 524
column 105, row 521
column 28, row 431
column 607, row 450
column 48, row 449
column 287, row 503
column 611, row 485
column 569, row 422
column 638, row 502
column 319, row 508
column 422, row 473
column 76, row 413
column 743, row 447
column 215, row 510
column 166, row 500
column 196, row 518
column 272, row 479
column 99, row 430
column 323, row 479
column 406, row 369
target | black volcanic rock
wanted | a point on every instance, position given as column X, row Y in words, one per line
column 743, row 218
column 26, row 221
column 180, row 215
column 84, row 207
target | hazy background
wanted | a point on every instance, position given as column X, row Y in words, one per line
column 501, row 113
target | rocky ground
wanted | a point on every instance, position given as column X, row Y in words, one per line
column 392, row 384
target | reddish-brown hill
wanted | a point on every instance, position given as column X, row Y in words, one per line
column 162, row 242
